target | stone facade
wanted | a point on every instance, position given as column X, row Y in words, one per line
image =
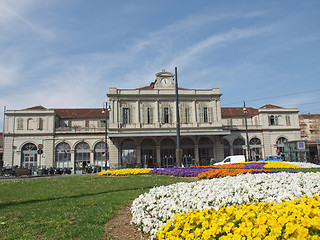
column 141, row 127
column 310, row 131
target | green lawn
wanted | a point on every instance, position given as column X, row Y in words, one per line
column 68, row 207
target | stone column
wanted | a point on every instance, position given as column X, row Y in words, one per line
column 196, row 153
column 73, row 161
column 139, row 155
column 158, row 155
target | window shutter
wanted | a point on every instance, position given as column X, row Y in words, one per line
column 161, row 114
column 20, row 124
column 121, row 115
column 200, row 112
column 151, row 114
column 288, row 120
column 210, row 115
column 182, row 115
column 40, row 123
column 187, row 115
column 130, row 115
column 145, row 113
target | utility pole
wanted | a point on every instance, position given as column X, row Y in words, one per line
column 105, row 110
column 178, row 150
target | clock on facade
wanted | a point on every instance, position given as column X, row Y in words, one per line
column 164, row 81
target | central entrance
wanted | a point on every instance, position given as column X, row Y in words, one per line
column 82, row 156
column 148, row 153
column 168, row 153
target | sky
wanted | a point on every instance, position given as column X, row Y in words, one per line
column 68, row 53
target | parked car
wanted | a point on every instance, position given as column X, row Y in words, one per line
column 232, row 159
column 272, row 158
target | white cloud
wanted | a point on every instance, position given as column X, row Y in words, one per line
column 8, row 75
column 12, row 17
column 188, row 56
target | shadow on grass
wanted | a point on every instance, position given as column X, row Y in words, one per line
column 3, row 205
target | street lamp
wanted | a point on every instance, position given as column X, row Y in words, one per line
column 245, row 118
column 105, row 110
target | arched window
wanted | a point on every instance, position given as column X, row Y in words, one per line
column 238, row 145
column 273, row 120
column 226, row 147
column 128, row 153
column 255, row 149
column 100, row 156
column 168, row 153
column 187, row 147
column 63, row 155
column 205, row 151
column 148, row 153
column 30, row 124
column 82, row 155
column 29, row 155
column 280, row 144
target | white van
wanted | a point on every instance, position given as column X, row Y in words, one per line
column 232, row 159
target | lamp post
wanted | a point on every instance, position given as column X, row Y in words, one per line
column 105, row 110
column 245, row 118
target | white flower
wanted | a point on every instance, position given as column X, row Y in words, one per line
column 152, row 210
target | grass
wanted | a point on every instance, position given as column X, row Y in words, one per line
column 68, row 207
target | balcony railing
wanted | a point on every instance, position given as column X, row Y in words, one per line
column 76, row 129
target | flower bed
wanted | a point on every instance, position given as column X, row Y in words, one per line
column 182, row 172
column 124, row 172
column 298, row 219
column 228, row 172
column 152, row 210
column 275, row 164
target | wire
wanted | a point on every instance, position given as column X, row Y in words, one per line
column 283, row 95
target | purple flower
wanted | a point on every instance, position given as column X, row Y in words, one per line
column 190, row 172
column 255, row 165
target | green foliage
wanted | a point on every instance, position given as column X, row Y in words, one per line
column 68, row 207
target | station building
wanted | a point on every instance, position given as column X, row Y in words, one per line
column 141, row 130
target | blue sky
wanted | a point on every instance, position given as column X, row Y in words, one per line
column 67, row 53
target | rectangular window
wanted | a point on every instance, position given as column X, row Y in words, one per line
column 288, row 121
column 165, row 115
column 126, row 115
column 86, row 123
column 205, row 114
column 102, row 123
column 40, row 124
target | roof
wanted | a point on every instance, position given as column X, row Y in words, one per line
column 38, row 107
column 237, row 111
column 151, row 87
column 270, row 106
column 307, row 116
column 80, row 113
